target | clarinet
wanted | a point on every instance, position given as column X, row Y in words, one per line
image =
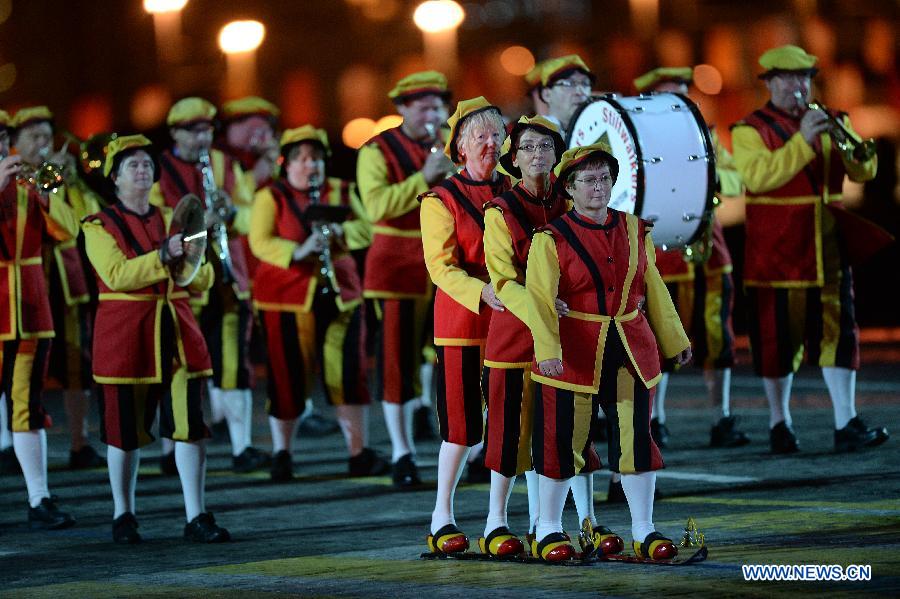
column 215, row 204
column 327, row 266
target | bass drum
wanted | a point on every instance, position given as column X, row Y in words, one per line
column 667, row 165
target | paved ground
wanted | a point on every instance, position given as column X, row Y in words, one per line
column 324, row 535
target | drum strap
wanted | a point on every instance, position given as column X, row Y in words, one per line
column 780, row 132
column 463, row 202
column 568, row 234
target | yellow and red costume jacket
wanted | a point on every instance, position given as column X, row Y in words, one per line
column 278, row 225
column 389, row 184
column 135, row 288
column 179, row 177
column 453, row 241
column 606, row 273
column 24, row 299
column 788, row 183
column 510, row 222
column 72, row 265
column 671, row 263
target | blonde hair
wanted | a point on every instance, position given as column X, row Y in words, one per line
column 485, row 118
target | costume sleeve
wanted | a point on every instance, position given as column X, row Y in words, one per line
column 117, row 271
column 381, row 199
column 357, row 230
column 859, row 171
column 60, row 219
column 242, row 200
column 661, row 312
column 762, row 169
column 264, row 243
column 507, row 279
column 439, row 243
column 730, row 184
column 204, row 279
column 542, row 287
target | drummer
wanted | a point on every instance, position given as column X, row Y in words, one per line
column 565, row 85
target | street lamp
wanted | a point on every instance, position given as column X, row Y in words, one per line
column 438, row 20
column 239, row 41
column 167, row 27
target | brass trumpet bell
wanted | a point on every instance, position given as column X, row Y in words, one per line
column 189, row 220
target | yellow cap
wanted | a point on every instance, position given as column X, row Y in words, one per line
column 249, row 106
column 787, row 58
column 555, row 68
column 464, row 109
column 539, row 124
column 4, row 119
column 572, row 157
column 305, row 133
column 423, row 83
column 188, row 111
column 533, row 77
column 119, row 145
column 32, row 114
column 678, row 74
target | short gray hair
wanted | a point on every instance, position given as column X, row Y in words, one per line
column 489, row 117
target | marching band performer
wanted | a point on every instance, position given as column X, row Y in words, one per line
column 26, row 324
column 309, row 297
column 565, row 85
column 249, row 136
column 531, row 151
column 224, row 311
column 533, row 81
column 393, row 168
column 68, row 275
column 600, row 263
column 796, row 270
column 452, row 238
column 703, row 291
column 167, row 362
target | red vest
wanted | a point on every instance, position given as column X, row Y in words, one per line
column 454, row 324
column 24, row 302
column 509, row 339
column 395, row 264
column 127, row 326
column 782, row 238
column 178, row 178
column 293, row 288
column 594, row 262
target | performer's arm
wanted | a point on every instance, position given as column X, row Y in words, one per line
column 542, row 288
column 117, row 271
column 763, row 169
column 264, row 243
column 381, row 199
column 730, row 184
column 242, row 200
column 661, row 312
column 59, row 217
column 439, row 243
column 204, row 279
column 500, row 259
column 358, row 229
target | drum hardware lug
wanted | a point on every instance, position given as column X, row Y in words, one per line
column 636, row 109
column 645, row 96
column 679, row 239
column 654, row 160
column 689, row 216
column 694, row 157
column 651, row 218
column 676, row 107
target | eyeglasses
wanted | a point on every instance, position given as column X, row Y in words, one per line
column 546, row 146
column 572, row 83
column 597, row 182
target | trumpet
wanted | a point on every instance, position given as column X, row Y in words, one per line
column 327, row 265
column 216, row 203
column 45, row 178
column 851, row 148
column 432, row 133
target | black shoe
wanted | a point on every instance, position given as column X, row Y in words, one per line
column 782, row 439
column 423, row 424
column 367, row 463
column 857, row 435
column 124, row 529
column 477, row 472
column 659, row 432
column 46, row 516
column 724, row 434
column 219, row 431
column 84, row 458
column 249, row 460
column 315, row 425
column 599, row 432
column 167, row 464
column 615, row 494
column 282, row 467
column 9, row 463
column 203, row 529
column 405, row 473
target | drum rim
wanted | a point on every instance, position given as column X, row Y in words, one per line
column 709, row 207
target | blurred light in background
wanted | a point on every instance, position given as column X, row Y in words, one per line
column 90, row 114
column 357, row 132
column 517, row 60
column 358, row 92
column 438, row 15
column 387, row 122
column 5, row 9
column 7, row 76
column 241, row 36
column 149, row 106
column 708, row 79
column 162, row 6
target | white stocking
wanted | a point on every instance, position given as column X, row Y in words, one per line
column 395, row 421
column 501, row 489
column 282, row 433
column 718, row 387
column 451, row 458
column 658, row 408
column 639, row 490
column 354, row 421
column 778, row 394
column 583, row 494
column 553, row 498
column 532, row 482
column 841, row 384
column 191, row 461
column 123, row 473
column 31, row 450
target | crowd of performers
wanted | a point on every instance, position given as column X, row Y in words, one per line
column 486, row 255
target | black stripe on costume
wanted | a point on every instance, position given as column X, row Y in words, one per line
column 537, row 435
column 613, row 358
column 170, row 169
column 123, row 396
column 472, row 398
column 293, row 354
column 807, row 170
column 408, row 348
column 784, row 344
column 400, row 154
column 196, row 389
column 754, row 330
column 245, row 330
column 36, row 413
column 515, row 205
column 440, row 387
column 640, row 396
column 463, row 202
column 848, row 341
column 566, row 231
column 565, row 427
column 726, row 358
column 698, row 320
column 815, row 331
column 512, row 418
column 353, row 373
